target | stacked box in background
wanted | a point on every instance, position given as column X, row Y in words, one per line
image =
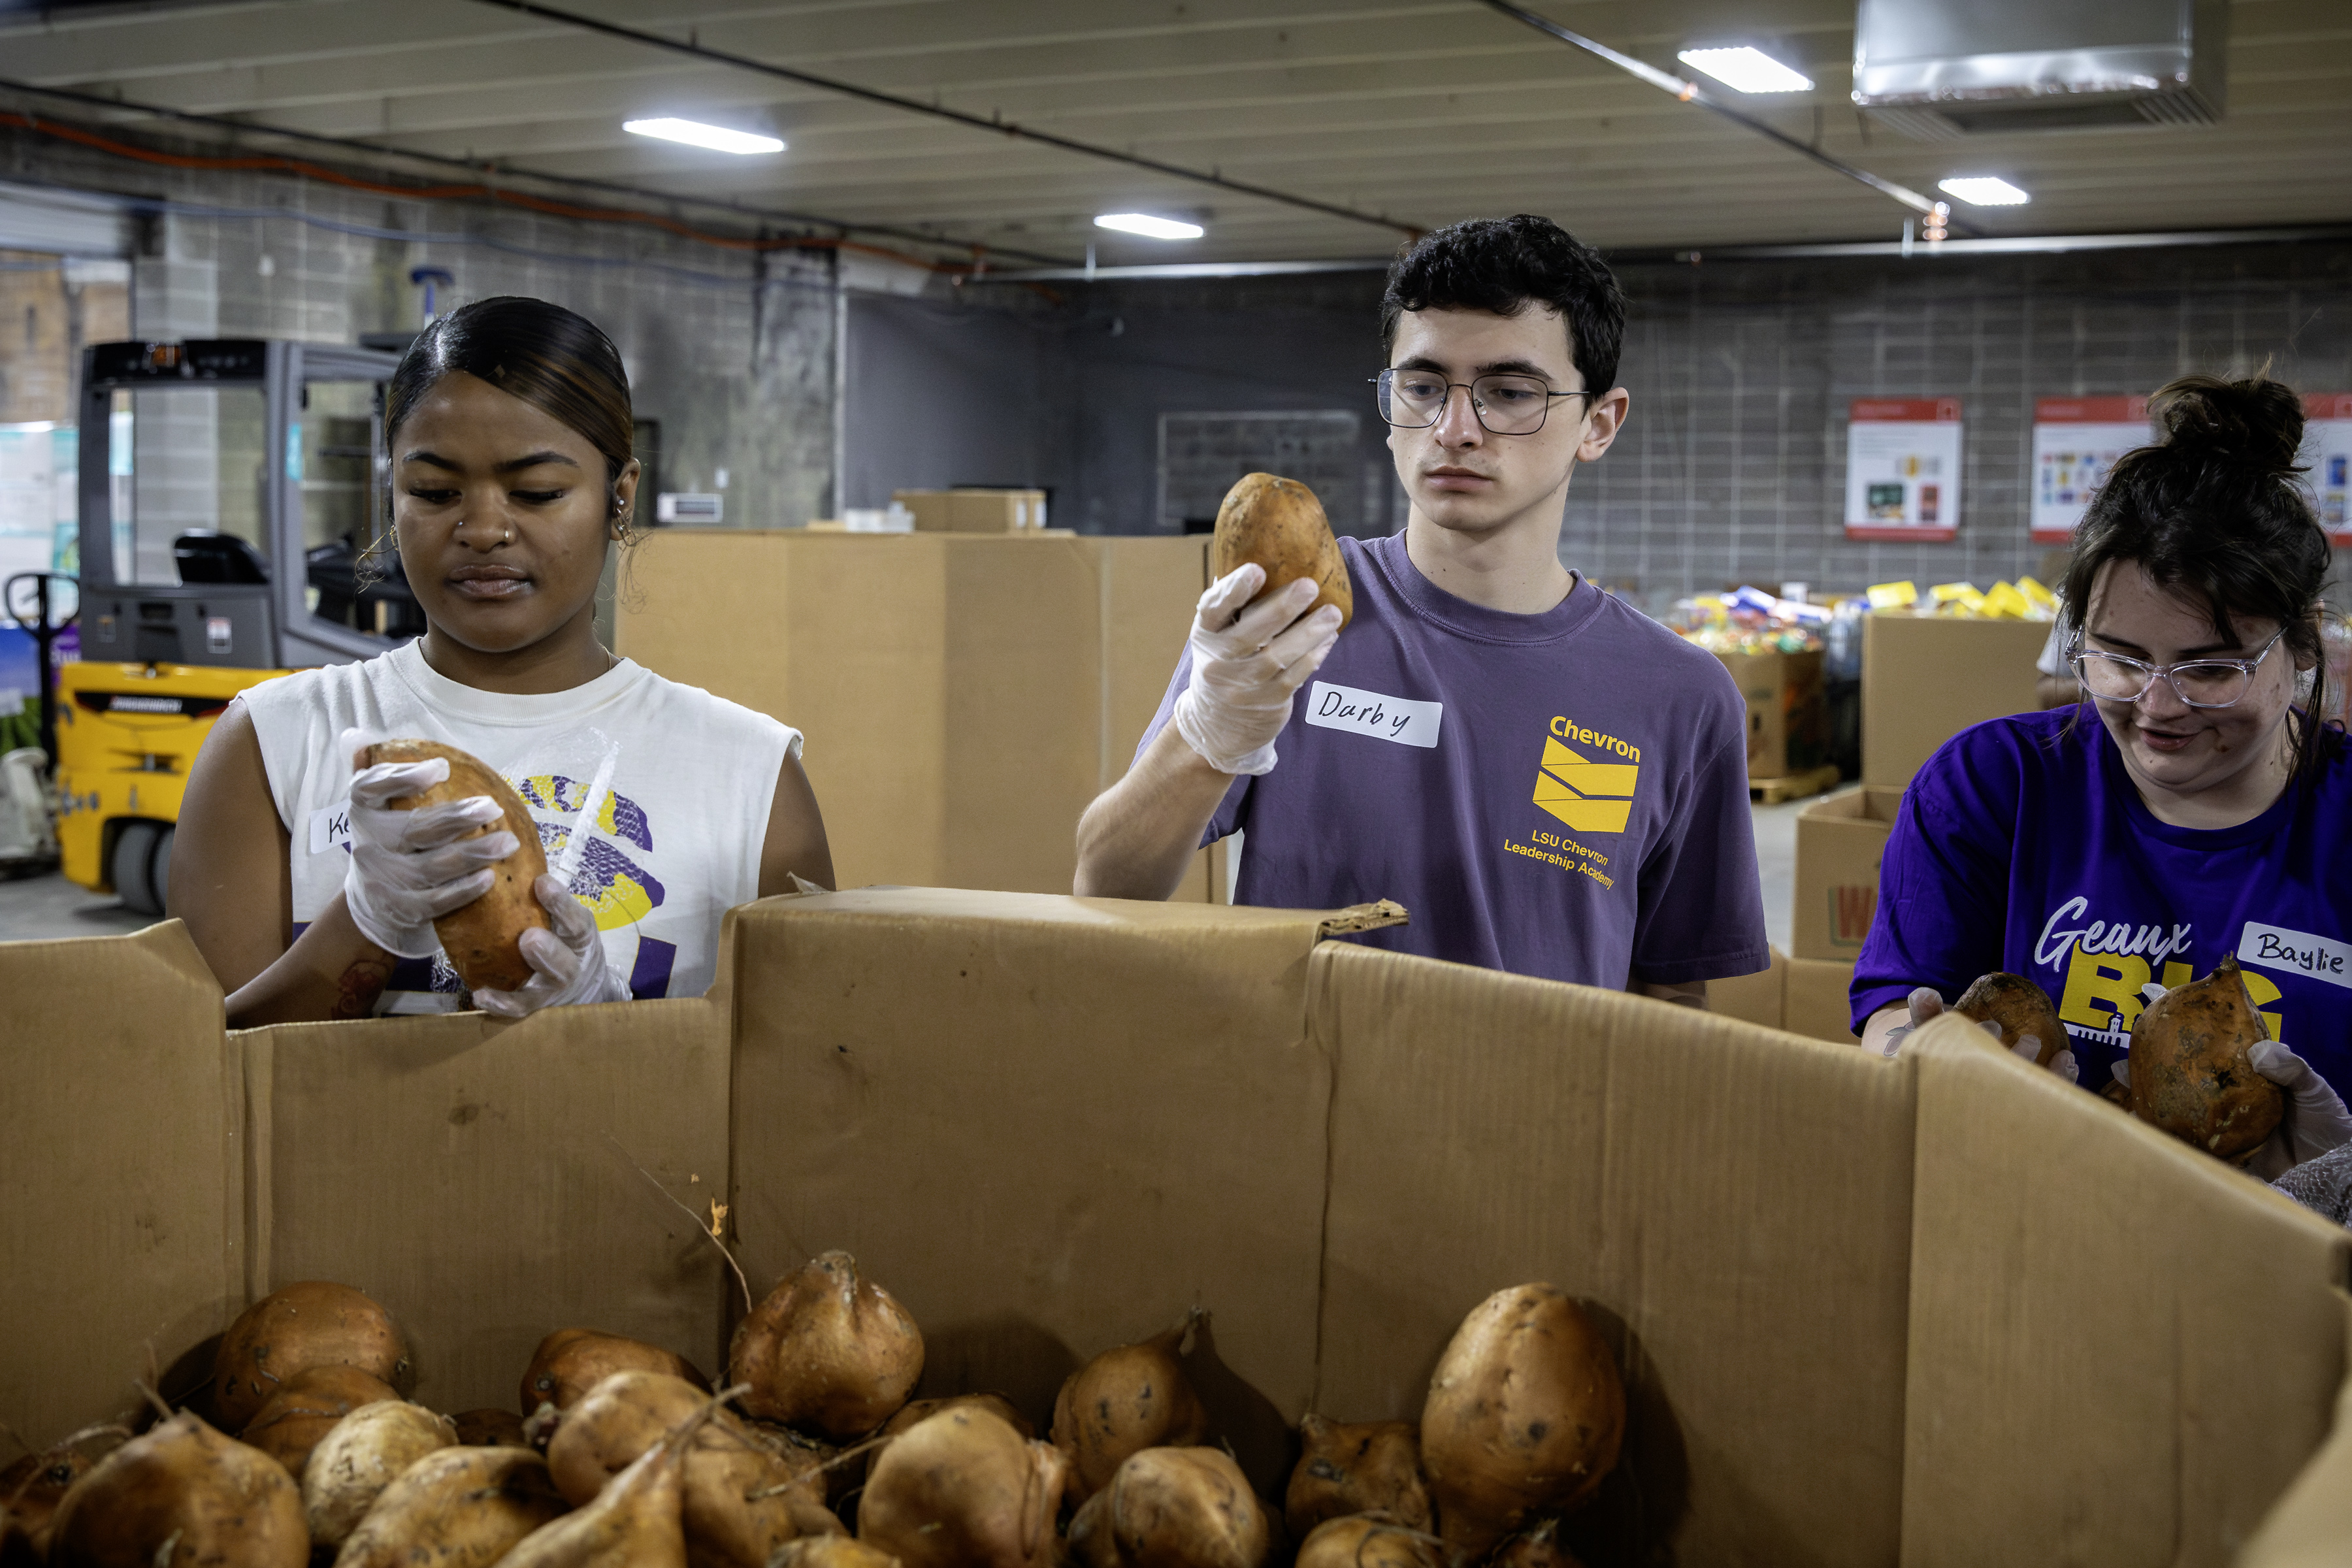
column 974, row 510
column 1925, row 679
column 1786, row 733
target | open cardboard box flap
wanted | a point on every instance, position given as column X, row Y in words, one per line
column 1944, row 1308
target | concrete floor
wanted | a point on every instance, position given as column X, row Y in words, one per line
column 37, row 907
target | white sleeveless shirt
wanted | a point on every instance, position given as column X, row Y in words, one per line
column 675, row 784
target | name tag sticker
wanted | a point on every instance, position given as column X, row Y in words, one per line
column 330, row 827
column 2297, row 952
column 1406, row 722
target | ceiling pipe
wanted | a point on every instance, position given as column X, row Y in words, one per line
column 915, row 106
column 1691, row 92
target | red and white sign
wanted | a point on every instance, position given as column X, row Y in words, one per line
column 2326, row 457
column 1902, row 468
column 2077, row 441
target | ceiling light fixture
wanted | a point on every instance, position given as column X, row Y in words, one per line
column 1747, row 69
column 1983, row 191
column 695, row 133
column 1148, row 227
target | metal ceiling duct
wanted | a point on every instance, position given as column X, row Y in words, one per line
column 1938, row 69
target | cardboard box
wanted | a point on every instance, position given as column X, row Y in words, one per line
column 1752, row 998
column 1925, row 679
column 1840, row 839
column 963, row 698
column 1853, row 1318
column 1818, row 1001
column 974, row 510
column 1785, row 726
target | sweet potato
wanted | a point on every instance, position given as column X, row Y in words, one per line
column 366, row 1452
column 1174, row 1507
column 1524, row 1416
column 1279, row 524
column 307, row 1408
column 456, row 1508
column 180, row 1496
column 481, row 940
column 490, row 1429
column 2190, row 1073
column 2020, row 1008
column 1127, row 1399
column 1369, row 1541
column 827, row 1352
column 1343, row 1470
column 294, row 1329
column 963, row 1491
column 570, row 1361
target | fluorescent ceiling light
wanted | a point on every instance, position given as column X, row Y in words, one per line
column 694, row 134
column 1745, row 70
column 1148, row 227
column 1983, row 191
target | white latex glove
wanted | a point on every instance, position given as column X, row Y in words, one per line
column 567, row 962
column 2316, row 1119
column 1247, row 660
column 409, row 868
column 1925, row 1005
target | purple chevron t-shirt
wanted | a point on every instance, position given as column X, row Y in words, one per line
column 1562, row 794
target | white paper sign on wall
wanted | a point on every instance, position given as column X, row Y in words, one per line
column 2077, row 441
column 2327, row 460
column 1902, row 468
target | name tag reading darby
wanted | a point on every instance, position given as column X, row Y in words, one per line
column 1396, row 718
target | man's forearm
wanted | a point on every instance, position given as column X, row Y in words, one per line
column 1137, row 839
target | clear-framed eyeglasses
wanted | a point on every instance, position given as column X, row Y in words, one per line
column 1503, row 404
column 2199, row 683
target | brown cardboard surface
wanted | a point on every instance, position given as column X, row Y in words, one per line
column 1840, row 840
column 1925, row 679
column 1728, row 1198
column 1048, row 1125
column 2312, row 1526
column 474, row 1178
column 974, row 510
column 1784, row 691
column 963, row 696
column 2123, row 1348
column 1819, row 1000
column 1759, row 998
column 122, row 1156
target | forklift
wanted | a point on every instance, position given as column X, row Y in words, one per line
column 263, row 462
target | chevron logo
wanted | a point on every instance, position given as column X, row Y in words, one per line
column 1588, row 796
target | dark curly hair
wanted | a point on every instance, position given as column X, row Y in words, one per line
column 1502, row 265
column 2215, row 510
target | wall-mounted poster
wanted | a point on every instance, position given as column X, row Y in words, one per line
column 1902, row 468
column 2075, row 441
column 2327, row 457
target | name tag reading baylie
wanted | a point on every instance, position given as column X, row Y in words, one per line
column 2274, row 947
column 1397, row 719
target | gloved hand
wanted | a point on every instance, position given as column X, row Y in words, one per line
column 567, row 962
column 409, row 868
column 1925, row 1005
column 1246, row 663
column 2316, row 1119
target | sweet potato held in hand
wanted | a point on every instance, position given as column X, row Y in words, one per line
column 483, row 938
column 1279, row 524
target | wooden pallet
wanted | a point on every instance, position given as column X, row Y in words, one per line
column 1794, row 786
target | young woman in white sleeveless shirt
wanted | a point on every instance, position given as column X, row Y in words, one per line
column 509, row 429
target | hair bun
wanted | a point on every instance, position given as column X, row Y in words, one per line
column 2257, row 422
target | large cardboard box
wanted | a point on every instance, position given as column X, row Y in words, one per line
column 1857, row 1326
column 1841, row 838
column 974, row 510
column 964, row 696
column 1925, row 679
column 1759, row 998
column 1786, row 733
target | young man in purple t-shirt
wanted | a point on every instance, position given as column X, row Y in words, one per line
column 1550, row 782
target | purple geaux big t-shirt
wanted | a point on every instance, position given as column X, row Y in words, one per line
column 1562, row 794
column 2023, row 846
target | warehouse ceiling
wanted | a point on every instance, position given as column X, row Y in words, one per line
column 1415, row 113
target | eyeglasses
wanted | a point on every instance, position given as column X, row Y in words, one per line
column 2199, row 682
column 1503, row 404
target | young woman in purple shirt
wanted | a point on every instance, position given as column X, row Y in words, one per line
column 2191, row 806
column 1549, row 781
